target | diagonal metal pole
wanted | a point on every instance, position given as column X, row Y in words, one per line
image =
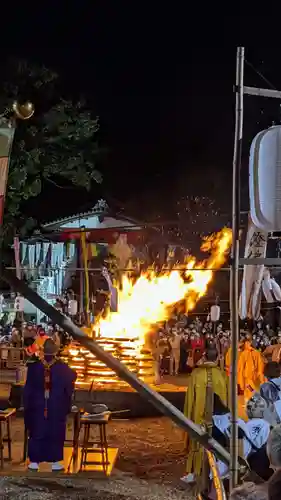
column 145, row 391
column 234, row 270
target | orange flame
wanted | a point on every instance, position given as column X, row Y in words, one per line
column 148, row 300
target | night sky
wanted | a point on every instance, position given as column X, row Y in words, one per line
column 161, row 82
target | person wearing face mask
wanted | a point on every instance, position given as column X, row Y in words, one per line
column 273, row 352
column 219, row 328
column 269, row 331
column 175, row 343
column 223, row 344
column 159, row 352
column 197, row 346
column 259, row 325
column 184, row 348
column 262, row 344
column 271, row 390
column 198, row 324
column 255, row 342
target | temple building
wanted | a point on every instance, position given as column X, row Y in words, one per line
column 74, row 253
column 66, row 249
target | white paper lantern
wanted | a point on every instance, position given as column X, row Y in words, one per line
column 265, row 180
column 72, row 307
column 215, row 313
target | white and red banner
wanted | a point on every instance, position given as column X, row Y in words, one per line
column 250, row 298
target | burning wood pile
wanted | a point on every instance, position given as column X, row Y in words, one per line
column 89, row 369
column 142, row 304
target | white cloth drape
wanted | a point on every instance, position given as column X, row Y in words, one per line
column 250, row 298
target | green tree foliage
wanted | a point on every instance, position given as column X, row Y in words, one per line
column 57, row 145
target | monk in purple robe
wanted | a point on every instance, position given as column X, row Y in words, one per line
column 47, row 402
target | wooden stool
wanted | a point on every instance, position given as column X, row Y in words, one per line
column 5, row 418
column 101, row 445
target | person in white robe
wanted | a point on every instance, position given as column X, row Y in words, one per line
column 271, row 390
column 222, row 429
column 261, row 418
column 258, row 407
column 254, row 434
column 158, row 349
column 275, row 413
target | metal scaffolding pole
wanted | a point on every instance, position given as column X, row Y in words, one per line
column 234, row 270
column 195, row 432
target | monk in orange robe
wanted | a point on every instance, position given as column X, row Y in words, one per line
column 228, row 357
column 250, row 370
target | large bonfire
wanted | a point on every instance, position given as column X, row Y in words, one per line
column 146, row 301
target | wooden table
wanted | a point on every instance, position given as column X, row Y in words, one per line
column 5, row 418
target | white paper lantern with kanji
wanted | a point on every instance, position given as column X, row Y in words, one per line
column 265, row 180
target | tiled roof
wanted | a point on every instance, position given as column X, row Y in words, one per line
column 100, row 208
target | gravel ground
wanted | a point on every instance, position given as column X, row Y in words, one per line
column 149, row 465
column 119, row 487
column 149, row 448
